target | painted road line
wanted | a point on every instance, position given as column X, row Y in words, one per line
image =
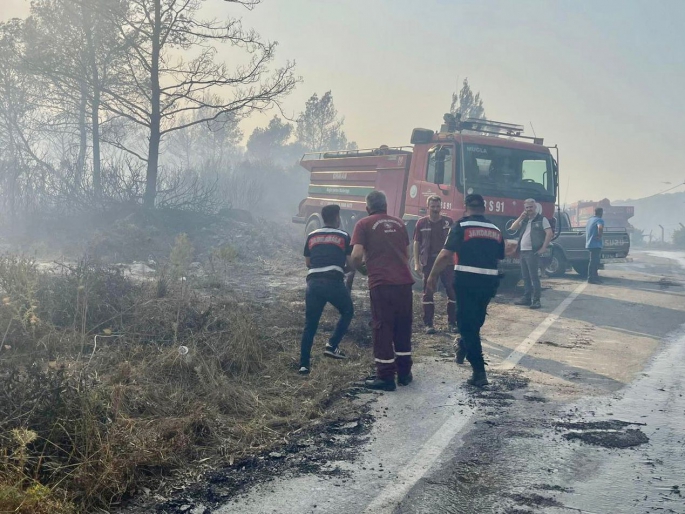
column 522, row 349
column 386, row 502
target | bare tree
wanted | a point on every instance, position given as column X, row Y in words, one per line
column 173, row 80
column 75, row 51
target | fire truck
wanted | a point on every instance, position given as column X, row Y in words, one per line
column 467, row 156
column 615, row 216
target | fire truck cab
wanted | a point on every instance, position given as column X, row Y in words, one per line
column 486, row 157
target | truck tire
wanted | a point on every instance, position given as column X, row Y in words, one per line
column 510, row 280
column 557, row 265
column 313, row 224
column 581, row 268
column 416, row 275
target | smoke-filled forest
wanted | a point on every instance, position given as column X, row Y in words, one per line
column 121, row 104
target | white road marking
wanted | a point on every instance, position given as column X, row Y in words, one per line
column 522, row 349
column 387, row 501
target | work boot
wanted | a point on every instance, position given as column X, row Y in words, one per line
column 535, row 304
column 430, row 330
column 405, row 380
column 523, row 301
column 461, row 352
column 379, row 384
column 478, row 379
column 453, row 328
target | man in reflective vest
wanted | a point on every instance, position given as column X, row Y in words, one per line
column 479, row 246
column 327, row 253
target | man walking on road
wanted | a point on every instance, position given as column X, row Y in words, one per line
column 536, row 234
column 385, row 242
column 479, row 246
column 429, row 238
column 327, row 255
column 593, row 242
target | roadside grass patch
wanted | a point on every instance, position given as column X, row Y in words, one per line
column 108, row 384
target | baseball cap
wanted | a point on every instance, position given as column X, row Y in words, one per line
column 474, row 201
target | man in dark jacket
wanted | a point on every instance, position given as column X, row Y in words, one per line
column 479, row 245
column 327, row 255
column 535, row 236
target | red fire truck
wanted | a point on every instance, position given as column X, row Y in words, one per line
column 491, row 158
column 615, row 216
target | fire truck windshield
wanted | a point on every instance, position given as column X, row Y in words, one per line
column 508, row 172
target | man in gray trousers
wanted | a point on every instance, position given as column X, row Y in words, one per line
column 534, row 238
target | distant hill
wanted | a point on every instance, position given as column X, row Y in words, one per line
column 667, row 210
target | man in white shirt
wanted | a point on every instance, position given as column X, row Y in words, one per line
column 536, row 234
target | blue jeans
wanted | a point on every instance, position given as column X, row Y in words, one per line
column 321, row 291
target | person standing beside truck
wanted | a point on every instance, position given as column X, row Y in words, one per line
column 430, row 235
column 593, row 242
column 479, row 246
column 327, row 254
column 384, row 240
column 536, row 234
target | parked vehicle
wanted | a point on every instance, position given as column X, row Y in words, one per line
column 568, row 249
column 464, row 157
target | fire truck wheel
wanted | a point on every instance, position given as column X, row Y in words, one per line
column 581, row 268
column 416, row 275
column 557, row 265
column 312, row 225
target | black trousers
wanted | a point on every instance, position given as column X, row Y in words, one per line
column 319, row 293
column 472, row 306
column 593, row 267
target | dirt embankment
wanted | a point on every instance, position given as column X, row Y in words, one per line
column 118, row 385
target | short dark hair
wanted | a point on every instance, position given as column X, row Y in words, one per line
column 474, row 200
column 599, row 212
column 376, row 201
column 330, row 212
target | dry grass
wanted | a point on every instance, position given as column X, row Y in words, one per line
column 120, row 382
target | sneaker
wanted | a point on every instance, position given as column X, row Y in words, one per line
column 303, row 371
column 380, row 384
column 430, row 330
column 594, row 281
column 461, row 353
column 478, row 379
column 334, row 353
column 405, row 380
column 535, row 304
column 523, row 301
column 453, row 328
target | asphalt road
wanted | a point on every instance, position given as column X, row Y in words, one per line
column 585, row 413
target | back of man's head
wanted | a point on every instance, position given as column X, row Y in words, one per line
column 376, row 202
column 475, row 204
column 599, row 212
column 330, row 213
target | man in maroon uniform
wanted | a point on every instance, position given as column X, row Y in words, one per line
column 429, row 238
column 384, row 240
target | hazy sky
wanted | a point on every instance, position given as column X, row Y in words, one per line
column 603, row 79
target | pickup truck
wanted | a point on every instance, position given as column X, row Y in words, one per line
column 568, row 249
